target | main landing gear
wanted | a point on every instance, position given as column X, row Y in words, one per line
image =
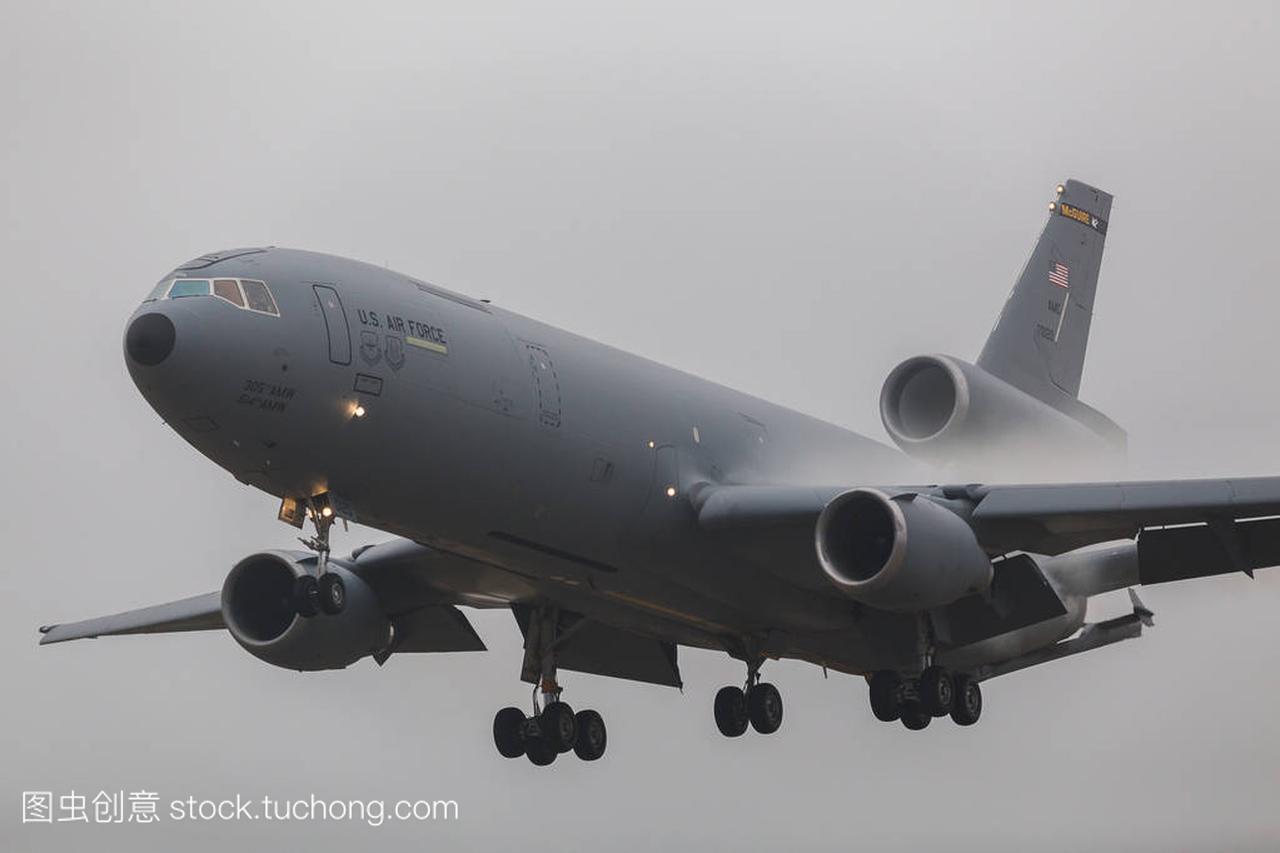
column 758, row 704
column 916, row 701
column 554, row 728
column 323, row 592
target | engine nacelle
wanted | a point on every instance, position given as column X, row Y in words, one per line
column 258, row 611
column 904, row 553
column 940, row 409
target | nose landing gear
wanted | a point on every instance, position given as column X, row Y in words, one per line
column 324, row 591
column 332, row 592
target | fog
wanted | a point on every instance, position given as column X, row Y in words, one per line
column 788, row 199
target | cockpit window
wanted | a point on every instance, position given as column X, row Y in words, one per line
column 158, row 291
column 229, row 290
column 248, row 294
column 258, row 297
column 189, row 287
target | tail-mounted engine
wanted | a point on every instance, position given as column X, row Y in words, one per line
column 942, row 409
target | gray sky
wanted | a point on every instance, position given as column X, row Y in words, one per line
column 786, row 199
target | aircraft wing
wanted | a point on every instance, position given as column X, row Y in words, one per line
column 416, row 585
column 1043, row 519
column 198, row 613
column 1051, row 519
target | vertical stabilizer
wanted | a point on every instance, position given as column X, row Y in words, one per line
column 1038, row 344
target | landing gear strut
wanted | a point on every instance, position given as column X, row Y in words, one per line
column 553, row 729
column 757, row 703
column 324, row 591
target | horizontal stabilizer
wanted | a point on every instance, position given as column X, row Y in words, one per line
column 198, row 613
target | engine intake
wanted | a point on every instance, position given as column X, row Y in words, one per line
column 922, row 397
column 905, row 553
column 257, row 607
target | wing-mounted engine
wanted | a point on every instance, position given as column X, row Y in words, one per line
column 941, row 409
column 258, row 610
column 903, row 553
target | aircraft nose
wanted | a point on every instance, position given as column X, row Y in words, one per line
column 149, row 339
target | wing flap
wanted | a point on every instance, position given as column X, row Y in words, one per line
column 1179, row 553
column 1019, row 596
column 198, row 613
column 585, row 645
column 441, row 628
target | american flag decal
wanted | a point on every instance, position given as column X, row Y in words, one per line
column 1058, row 274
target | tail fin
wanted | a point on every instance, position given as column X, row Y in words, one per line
column 1039, row 342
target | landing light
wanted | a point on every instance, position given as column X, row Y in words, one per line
column 1061, row 189
column 1052, row 206
column 358, row 411
column 671, row 491
column 327, row 511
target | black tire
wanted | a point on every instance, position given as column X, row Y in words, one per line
column 968, row 705
column 592, row 736
column 508, row 732
column 333, row 593
column 559, row 727
column 731, row 711
column 764, row 706
column 914, row 717
column 884, row 688
column 306, row 596
column 937, row 692
column 539, row 752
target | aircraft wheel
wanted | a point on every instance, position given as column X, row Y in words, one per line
column 914, row 717
column 559, row 727
column 592, row 737
column 540, row 753
column 937, row 692
column 968, row 705
column 508, row 732
column 333, row 593
column 884, row 687
column 764, row 707
column 306, row 596
column 731, row 711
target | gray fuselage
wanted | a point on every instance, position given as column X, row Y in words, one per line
column 549, row 465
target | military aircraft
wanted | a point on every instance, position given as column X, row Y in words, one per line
column 621, row 509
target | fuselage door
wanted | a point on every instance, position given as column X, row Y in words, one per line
column 546, row 385
column 335, row 323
